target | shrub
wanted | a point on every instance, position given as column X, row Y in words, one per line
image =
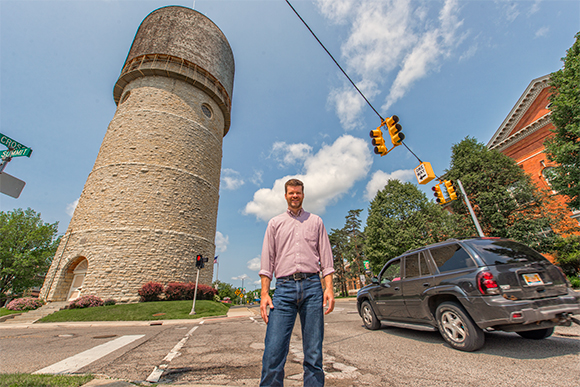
column 575, row 282
column 179, row 291
column 568, row 254
column 25, row 304
column 87, row 301
column 150, row 291
column 205, row 292
column 109, row 301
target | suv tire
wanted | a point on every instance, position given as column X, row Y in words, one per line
column 369, row 317
column 457, row 327
column 537, row 334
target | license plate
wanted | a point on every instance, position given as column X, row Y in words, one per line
column 532, row 279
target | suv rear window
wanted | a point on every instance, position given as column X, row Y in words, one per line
column 504, row 252
column 451, row 257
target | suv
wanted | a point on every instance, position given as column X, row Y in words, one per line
column 463, row 287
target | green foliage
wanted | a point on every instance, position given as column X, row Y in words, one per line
column 575, row 282
column 402, row 218
column 143, row 311
column 226, row 290
column 347, row 247
column 506, row 202
column 26, row 380
column 564, row 147
column 27, row 247
column 567, row 252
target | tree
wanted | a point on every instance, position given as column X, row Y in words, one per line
column 564, row 147
column 402, row 218
column 568, row 254
column 347, row 247
column 338, row 243
column 506, row 202
column 27, row 247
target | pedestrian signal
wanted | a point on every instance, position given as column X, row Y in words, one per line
column 439, row 195
column 450, row 190
column 378, row 142
column 395, row 130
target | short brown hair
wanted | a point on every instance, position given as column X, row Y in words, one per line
column 293, row 183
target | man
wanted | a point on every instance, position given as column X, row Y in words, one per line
column 296, row 248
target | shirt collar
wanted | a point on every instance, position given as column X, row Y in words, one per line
column 300, row 212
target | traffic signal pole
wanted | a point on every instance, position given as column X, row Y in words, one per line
column 194, row 294
column 477, row 226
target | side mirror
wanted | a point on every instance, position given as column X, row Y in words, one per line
column 375, row 280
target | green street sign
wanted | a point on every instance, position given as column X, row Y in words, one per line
column 10, row 143
column 16, row 153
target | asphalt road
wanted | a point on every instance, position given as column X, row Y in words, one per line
column 227, row 351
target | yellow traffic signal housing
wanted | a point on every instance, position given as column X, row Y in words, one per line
column 379, row 142
column 450, row 190
column 395, row 130
column 439, row 195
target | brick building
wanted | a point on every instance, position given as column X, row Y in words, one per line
column 521, row 136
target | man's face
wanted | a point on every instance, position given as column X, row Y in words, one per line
column 294, row 196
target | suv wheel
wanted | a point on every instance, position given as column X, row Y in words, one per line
column 537, row 334
column 369, row 317
column 457, row 327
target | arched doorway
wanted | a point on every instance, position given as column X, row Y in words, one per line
column 78, row 278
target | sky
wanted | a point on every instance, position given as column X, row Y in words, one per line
column 448, row 69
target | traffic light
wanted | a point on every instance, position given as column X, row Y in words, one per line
column 199, row 262
column 439, row 195
column 450, row 190
column 379, row 142
column 395, row 130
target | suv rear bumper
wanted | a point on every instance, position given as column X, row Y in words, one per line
column 515, row 315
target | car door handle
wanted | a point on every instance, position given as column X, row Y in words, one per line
column 397, row 288
column 426, row 284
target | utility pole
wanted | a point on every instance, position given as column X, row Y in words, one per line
column 477, row 226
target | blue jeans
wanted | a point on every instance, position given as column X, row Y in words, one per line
column 303, row 297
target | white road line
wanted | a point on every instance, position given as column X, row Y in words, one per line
column 158, row 371
column 82, row 359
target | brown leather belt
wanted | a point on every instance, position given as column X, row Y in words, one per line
column 296, row 276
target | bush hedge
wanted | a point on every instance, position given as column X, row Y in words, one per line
column 175, row 291
column 24, row 304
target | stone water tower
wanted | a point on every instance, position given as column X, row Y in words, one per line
column 149, row 205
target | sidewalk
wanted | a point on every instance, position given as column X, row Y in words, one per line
column 28, row 319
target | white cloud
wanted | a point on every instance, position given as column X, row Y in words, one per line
column 241, row 277
column 380, row 179
column 71, row 207
column 328, row 175
column 231, row 179
column 387, row 36
column 509, row 8
column 289, row 154
column 257, row 178
column 542, row 32
column 254, row 264
column 221, row 242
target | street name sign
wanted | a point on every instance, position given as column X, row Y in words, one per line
column 10, row 143
column 15, row 153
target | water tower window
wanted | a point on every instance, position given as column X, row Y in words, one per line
column 206, row 110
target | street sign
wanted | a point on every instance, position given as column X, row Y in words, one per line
column 424, row 173
column 10, row 143
column 16, row 153
column 10, row 185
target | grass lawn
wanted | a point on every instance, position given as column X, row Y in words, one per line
column 143, row 311
column 4, row 311
column 26, row 380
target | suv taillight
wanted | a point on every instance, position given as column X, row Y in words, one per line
column 486, row 283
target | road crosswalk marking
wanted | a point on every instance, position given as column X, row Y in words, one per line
column 78, row 361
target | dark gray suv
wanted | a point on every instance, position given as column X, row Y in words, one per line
column 463, row 287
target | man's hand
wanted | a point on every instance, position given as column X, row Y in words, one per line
column 265, row 299
column 265, row 306
column 328, row 296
